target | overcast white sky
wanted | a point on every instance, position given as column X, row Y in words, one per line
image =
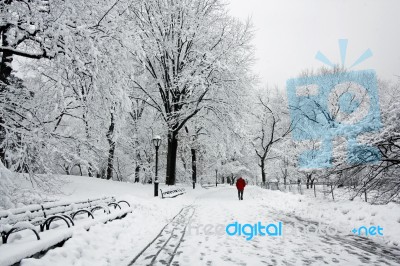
column 289, row 33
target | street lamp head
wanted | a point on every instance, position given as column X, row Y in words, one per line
column 157, row 141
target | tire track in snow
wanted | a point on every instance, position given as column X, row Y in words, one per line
column 162, row 249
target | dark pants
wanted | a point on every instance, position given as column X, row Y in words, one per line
column 240, row 194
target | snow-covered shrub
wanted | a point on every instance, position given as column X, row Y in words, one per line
column 6, row 186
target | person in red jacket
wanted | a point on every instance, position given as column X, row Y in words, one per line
column 240, row 184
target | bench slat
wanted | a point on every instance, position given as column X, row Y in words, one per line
column 173, row 192
column 37, row 214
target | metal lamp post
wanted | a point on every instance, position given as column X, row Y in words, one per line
column 156, row 143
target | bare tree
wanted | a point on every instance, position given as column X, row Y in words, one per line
column 272, row 130
column 188, row 49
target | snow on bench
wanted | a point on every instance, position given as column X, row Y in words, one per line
column 207, row 186
column 15, row 252
column 172, row 193
column 42, row 215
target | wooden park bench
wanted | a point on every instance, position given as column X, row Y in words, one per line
column 207, row 186
column 172, row 193
column 41, row 216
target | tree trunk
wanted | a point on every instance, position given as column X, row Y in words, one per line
column 110, row 161
column 308, row 180
column 138, row 158
column 5, row 72
column 171, row 158
column 66, row 169
column 6, row 60
column 284, row 177
column 137, row 170
column 194, row 172
column 90, row 170
column 2, row 140
column 80, row 169
column 263, row 171
column 111, row 151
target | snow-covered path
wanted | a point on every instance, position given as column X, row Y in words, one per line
column 190, row 230
column 194, row 238
column 162, row 249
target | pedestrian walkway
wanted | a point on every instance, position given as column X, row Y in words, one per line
column 196, row 236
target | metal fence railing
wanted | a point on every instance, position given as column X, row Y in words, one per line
column 318, row 189
column 329, row 190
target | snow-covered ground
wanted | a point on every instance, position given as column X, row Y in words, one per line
column 190, row 229
column 342, row 214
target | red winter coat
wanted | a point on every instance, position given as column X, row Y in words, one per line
column 240, row 184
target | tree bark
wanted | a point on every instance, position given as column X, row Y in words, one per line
column 138, row 159
column 308, row 181
column 2, row 139
column 262, row 165
column 111, row 151
column 194, row 170
column 6, row 59
column 171, row 158
column 284, row 177
column 136, row 115
column 137, row 170
column 90, row 168
column 5, row 72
